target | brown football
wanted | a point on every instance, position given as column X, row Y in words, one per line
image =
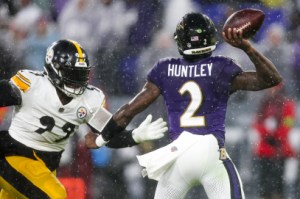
column 249, row 20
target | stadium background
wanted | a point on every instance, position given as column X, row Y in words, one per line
column 124, row 38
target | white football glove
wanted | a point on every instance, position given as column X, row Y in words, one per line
column 149, row 131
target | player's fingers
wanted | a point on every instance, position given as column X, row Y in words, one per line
column 159, row 133
column 162, row 124
column 147, row 120
column 159, row 125
column 229, row 34
column 240, row 34
column 235, row 34
column 159, row 120
column 159, row 130
column 224, row 36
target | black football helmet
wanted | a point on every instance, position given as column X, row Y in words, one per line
column 67, row 67
column 195, row 35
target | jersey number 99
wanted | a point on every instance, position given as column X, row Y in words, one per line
column 49, row 123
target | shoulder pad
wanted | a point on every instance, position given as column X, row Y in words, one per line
column 96, row 95
column 22, row 80
column 25, row 78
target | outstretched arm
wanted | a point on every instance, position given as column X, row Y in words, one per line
column 146, row 131
column 266, row 74
column 140, row 102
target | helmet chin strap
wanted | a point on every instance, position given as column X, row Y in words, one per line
column 71, row 92
column 199, row 51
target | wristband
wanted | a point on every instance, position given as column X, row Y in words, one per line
column 100, row 141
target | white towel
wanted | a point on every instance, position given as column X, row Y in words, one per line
column 158, row 161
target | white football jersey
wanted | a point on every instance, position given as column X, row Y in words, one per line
column 42, row 122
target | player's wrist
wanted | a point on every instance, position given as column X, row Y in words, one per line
column 100, row 141
column 136, row 135
column 247, row 48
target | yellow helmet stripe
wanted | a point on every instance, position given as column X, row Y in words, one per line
column 80, row 54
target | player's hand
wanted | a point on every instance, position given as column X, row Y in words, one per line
column 90, row 140
column 149, row 131
column 234, row 37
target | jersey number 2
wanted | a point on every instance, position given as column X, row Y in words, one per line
column 49, row 123
column 188, row 118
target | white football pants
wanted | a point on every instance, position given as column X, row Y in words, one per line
column 202, row 163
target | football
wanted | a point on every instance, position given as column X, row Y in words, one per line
column 249, row 20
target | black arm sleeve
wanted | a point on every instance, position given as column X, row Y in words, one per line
column 110, row 130
column 9, row 94
column 117, row 136
column 122, row 140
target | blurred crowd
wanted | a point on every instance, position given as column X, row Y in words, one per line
column 124, row 38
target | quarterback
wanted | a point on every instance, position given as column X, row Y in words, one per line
column 196, row 88
column 49, row 106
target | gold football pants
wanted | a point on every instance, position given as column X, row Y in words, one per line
column 22, row 177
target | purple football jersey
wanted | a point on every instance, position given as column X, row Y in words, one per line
column 195, row 93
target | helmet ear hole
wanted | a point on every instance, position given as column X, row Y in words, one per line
column 57, row 81
column 56, row 66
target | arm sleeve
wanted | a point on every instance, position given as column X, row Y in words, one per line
column 118, row 137
column 110, row 130
column 230, row 70
column 155, row 75
column 122, row 140
column 10, row 94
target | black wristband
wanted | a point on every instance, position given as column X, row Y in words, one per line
column 122, row 140
column 111, row 129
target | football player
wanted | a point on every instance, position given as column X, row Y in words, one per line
column 196, row 89
column 49, row 107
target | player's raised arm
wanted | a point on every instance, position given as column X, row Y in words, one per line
column 266, row 74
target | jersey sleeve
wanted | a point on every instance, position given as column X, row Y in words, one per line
column 23, row 80
column 230, row 70
column 155, row 74
column 99, row 116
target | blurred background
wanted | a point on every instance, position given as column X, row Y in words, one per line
column 124, row 38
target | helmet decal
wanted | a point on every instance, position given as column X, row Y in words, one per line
column 199, row 30
column 195, row 38
column 49, row 56
column 80, row 61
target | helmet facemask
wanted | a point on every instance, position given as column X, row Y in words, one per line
column 74, row 80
